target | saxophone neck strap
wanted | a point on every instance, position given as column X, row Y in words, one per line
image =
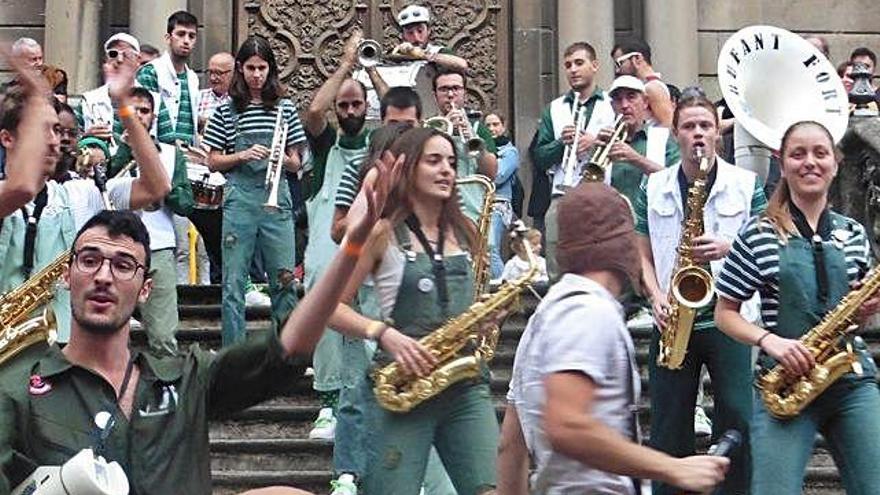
column 438, row 269
column 823, row 230
column 30, row 233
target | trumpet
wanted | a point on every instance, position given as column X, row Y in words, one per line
column 369, row 53
column 569, row 156
column 276, row 162
column 600, row 161
column 474, row 144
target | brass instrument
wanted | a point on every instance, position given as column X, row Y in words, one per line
column 691, row 286
column 369, row 53
column 18, row 330
column 275, row 168
column 481, row 254
column 569, row 156
column 785, row 396
column 600, row 161
column 474, row 144
column 439, row 123
column 460, row 345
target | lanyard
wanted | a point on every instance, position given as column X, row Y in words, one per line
column 815, row 239
column 30, row 233
column 437, row 266
column 104, row 433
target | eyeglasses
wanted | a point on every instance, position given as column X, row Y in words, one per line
column 450, row 89
column 71, row 133
column 218, row 72
column 417, row 14
column 123, row 267
column 623, row 58
column 114, row 54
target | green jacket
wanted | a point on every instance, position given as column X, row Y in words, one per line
column 48, row 406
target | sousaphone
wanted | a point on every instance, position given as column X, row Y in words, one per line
column 771, row 78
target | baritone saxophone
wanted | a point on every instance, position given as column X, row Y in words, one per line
column 692, row 286
column 461, row 345
column 785, row 396
column 18, row 330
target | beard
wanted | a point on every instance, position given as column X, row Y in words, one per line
column 351, row 125
column 100, row 325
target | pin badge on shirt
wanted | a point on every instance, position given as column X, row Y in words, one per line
column 840, row 236
column 102, row 419
column 425, row 285
column 38, row 385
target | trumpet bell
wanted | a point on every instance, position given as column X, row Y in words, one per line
column 369, row 53
column 439, row 123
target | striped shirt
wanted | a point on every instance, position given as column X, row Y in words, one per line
column 222, row 129
column 166, row 132
column 349, row 185
column 753, row 263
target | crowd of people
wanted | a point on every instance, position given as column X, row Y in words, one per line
column 365, row 236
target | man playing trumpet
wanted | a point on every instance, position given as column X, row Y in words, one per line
column 449, row 93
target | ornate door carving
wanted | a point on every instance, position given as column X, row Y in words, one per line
column 308, row 36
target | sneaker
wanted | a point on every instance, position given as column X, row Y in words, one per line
column 256, row 299
column 702, row 423
column 309, row 373
column 325, row 426
column 344, row 485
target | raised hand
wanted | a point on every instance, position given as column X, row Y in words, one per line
column 119, row 76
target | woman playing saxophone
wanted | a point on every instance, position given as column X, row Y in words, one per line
column 803, row 258
column 419, row 259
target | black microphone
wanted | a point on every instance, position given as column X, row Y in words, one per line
column 726, row 447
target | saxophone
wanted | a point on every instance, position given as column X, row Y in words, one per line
column 691, row 286
column 481, row 253
column 785, row 396
column 400, row 392
column 17, row 330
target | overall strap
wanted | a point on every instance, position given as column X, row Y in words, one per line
column 30, row 234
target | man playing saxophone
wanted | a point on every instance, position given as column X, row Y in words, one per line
column 33, row 236
column 666, row 212
column 803, row 258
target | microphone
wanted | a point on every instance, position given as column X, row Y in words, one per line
column 727, row 445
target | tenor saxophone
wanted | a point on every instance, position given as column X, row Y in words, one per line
column 691, row 287
column 18, row 330
column 785, row 396
column 461, row 346
column 481, row 253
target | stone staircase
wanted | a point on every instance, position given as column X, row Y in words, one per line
column 268, row 444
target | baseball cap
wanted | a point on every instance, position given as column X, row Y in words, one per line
column 124, row 37
column 628, row 82
column 413, row 14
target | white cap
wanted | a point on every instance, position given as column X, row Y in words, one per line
column 629, row 82
column 124, row 37
column 413, row 14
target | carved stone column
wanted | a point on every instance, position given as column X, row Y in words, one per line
column 592, row 22
column 671, row 30
column 71, row 42
column 149, row 18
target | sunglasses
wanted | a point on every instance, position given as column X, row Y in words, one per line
column 415, row 15
column 623, row 58
column 114, row 54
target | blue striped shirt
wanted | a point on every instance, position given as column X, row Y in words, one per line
column 753, row 263
column 221, row 130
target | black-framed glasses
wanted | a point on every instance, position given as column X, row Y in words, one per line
column 218, row 73
column 450, row 89
column 122, row 266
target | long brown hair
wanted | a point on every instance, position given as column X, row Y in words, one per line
column 778, row 211
column 399, row 205
column 272, row 91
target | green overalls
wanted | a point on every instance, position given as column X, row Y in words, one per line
column 460, row 422
column 56, row 231
column 247, row 226
column 847, row 412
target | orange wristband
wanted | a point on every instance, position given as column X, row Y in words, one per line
column 126, row 111
column 352, row 249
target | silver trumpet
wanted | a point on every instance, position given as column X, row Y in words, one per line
column 369, row 53
column 474, row 144
column 276, row 162
column 569, row 156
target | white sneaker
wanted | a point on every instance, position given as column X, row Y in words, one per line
column 256, row 299
column 310, row 372
column 344, row 485
column 325, row 426
column 702, row 423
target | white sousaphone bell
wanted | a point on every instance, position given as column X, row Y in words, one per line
column 771, row 78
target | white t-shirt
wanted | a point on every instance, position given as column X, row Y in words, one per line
column 583, row 332
column 160, row 222
column 516, row 267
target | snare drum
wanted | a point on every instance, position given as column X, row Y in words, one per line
column 207, row 196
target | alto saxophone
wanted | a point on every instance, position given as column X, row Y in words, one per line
column 400, row 392
column 785, row 396
column 18, row 330
column 481, row 253
column 691, row 287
